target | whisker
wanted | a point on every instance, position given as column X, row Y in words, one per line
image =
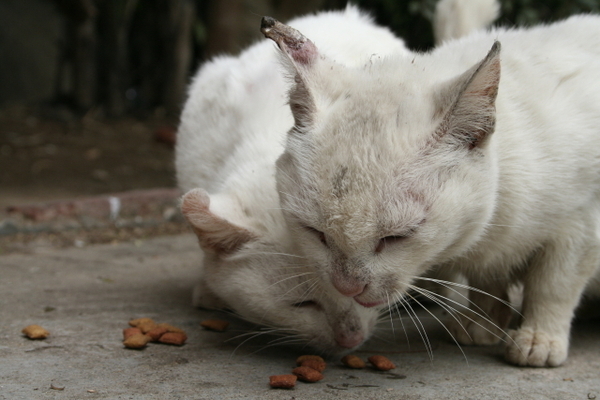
column 437, row 301
column 289, row 277
column 402, row 324
column 274, row 254
column 291, row 341
column 463, row 286
column 390, row 311
column 419, row 326
column 254, row 333
column 482, row 316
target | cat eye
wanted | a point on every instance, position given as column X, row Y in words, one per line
column 308, row 304
column 319, row 234
column 389, row 240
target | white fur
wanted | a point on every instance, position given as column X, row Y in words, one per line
column 403, row 149
column 456, row 18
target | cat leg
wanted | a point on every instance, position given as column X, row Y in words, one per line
column 486, row 319
column 553, row 285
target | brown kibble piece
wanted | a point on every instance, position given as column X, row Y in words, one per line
column 353, row 361
column 156, row 332
column 214, row 325
column 317, row 365
column 170, row 328
column 287, row 381
column 175, row 338
column 305, row 357
column 35, row 332
column 138, row 341
column 138, row 321
column 129, row 332
column 307, row 374
column 146, row 327
column 381, row 363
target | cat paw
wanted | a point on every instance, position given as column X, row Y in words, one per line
column 527, row 347
column 471, row 329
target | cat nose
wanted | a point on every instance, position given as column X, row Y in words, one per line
column 348, row 287
column 349, row 340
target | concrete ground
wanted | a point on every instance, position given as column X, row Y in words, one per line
column 85, row 296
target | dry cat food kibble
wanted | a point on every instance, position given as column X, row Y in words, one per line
column 137, row 341
column 139, row 321
column 307, row 374
column 156, row 332
column 317, row 365
column 145, row 330
column 35, row 332
column 176, row 338
column 170, row 328
column 146, row 326
column 214, row 325
column 129, row 332
column 287, row 381
column 353, row 361
column 306, row 357
column 381, row 363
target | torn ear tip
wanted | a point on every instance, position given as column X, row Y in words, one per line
column 267, row 22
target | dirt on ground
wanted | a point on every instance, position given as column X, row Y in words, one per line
column 49, row 153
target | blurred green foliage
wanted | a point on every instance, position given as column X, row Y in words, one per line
column 411, row 19
column 531, row 12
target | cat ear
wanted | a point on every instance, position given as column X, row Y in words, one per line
column 471, row 116
column 298, row 47
column 214, row 233
column 300, row 54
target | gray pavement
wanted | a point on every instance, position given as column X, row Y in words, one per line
column 85, row 296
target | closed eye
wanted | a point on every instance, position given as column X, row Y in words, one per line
column 308, row 304
column 320, row 235
column 394, row 239
column 389, row 240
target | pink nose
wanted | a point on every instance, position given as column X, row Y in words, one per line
column 349, row 340
column 348, row 287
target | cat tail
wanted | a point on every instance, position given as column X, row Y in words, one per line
column 456, row 18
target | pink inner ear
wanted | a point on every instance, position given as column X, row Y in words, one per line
column 214, row 233
column 289, row 40
column 305, row 54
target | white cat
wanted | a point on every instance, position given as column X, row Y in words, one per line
column 232, row 131
column 435, row 159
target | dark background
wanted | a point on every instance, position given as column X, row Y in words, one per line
column 91, row 90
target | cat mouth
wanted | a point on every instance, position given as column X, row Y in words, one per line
column 369, row 304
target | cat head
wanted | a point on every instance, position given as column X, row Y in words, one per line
column 254, row 272
column 388, row 169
